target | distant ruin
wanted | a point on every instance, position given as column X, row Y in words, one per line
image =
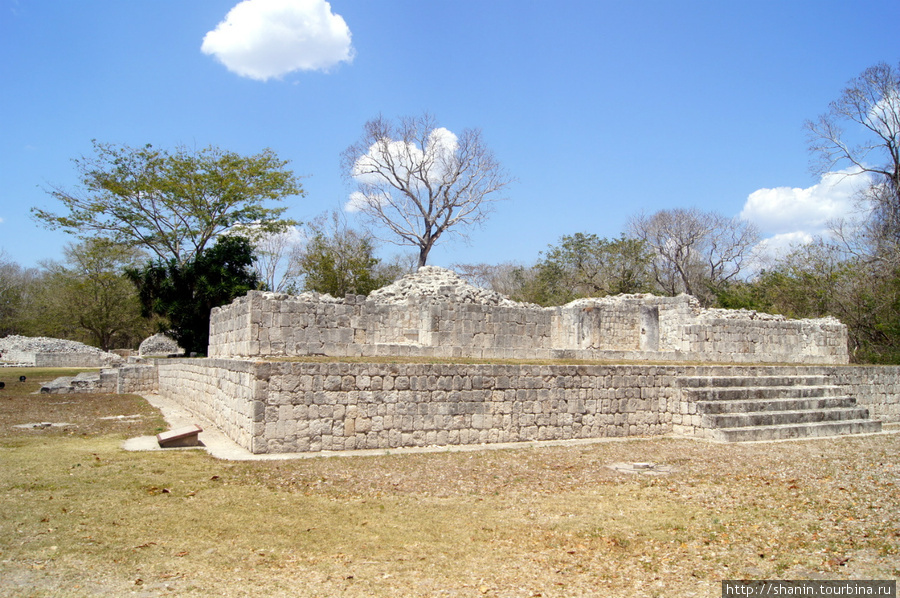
column 41, row 351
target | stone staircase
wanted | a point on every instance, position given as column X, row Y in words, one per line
column 741, row 408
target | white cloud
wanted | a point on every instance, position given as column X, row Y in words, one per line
column 794, row 210
column 767, row 251
column 792, row 216
column 264, row 39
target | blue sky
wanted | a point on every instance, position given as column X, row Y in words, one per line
column 598, row 109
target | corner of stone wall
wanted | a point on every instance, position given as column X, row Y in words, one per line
column 137, row 378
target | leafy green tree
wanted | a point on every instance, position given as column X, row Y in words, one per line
column 172, row 204
column 90, row 299
column 584, row 265
column 15, row 290
column 184, row 294
column 589, row 266
column 338, row 260
column 540, row 285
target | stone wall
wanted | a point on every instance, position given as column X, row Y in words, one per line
column 227, row 392
column 875, row 387
column 636, row 326
column 55, row 360
column 268, row 324
column 137, row 379
column 42, row 351
column 726, row 340
column 274, row 407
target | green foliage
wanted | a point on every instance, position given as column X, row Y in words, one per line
column 93, row 297
column 585, row 265
column 743, row 295
column 86, row 298
column 15, row 288
column 184, row 294
column 338, row 260
column 173, row 204
column 820, row 280
column 537, row 285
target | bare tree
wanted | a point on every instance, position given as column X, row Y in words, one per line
column 496, row 277
column 871, row 101
column 696, row 252
column 420, row 181
column 275, row 258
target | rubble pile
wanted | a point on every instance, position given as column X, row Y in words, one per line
column 159, row 344
column 43, row 344
column 439, row 283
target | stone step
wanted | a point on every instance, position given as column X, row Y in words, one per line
column 778, row 418
column 779, row 404
column 809, row 430
column 743, row 381
column 736, row 393
column 741, row 408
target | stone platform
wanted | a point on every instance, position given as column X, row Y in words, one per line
column 283, row 407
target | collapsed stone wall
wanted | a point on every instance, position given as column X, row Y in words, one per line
column 42, row 351
column 159, row 345
column 275, row 407
column 435, row 314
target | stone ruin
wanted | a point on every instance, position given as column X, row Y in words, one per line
column 754, row 376
column 42, row 351
column 434, row 313
column 159, row 345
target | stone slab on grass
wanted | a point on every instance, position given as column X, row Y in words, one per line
column 180, row 437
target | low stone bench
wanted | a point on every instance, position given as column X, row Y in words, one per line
column 179, row 437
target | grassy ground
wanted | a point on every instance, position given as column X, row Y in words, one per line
column 81, row 517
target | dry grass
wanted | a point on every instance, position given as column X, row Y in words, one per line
column 81, row 517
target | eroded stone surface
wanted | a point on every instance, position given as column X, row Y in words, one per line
column 159, row 344
column 440, row 283
column 435, row 313
column 54, row 352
